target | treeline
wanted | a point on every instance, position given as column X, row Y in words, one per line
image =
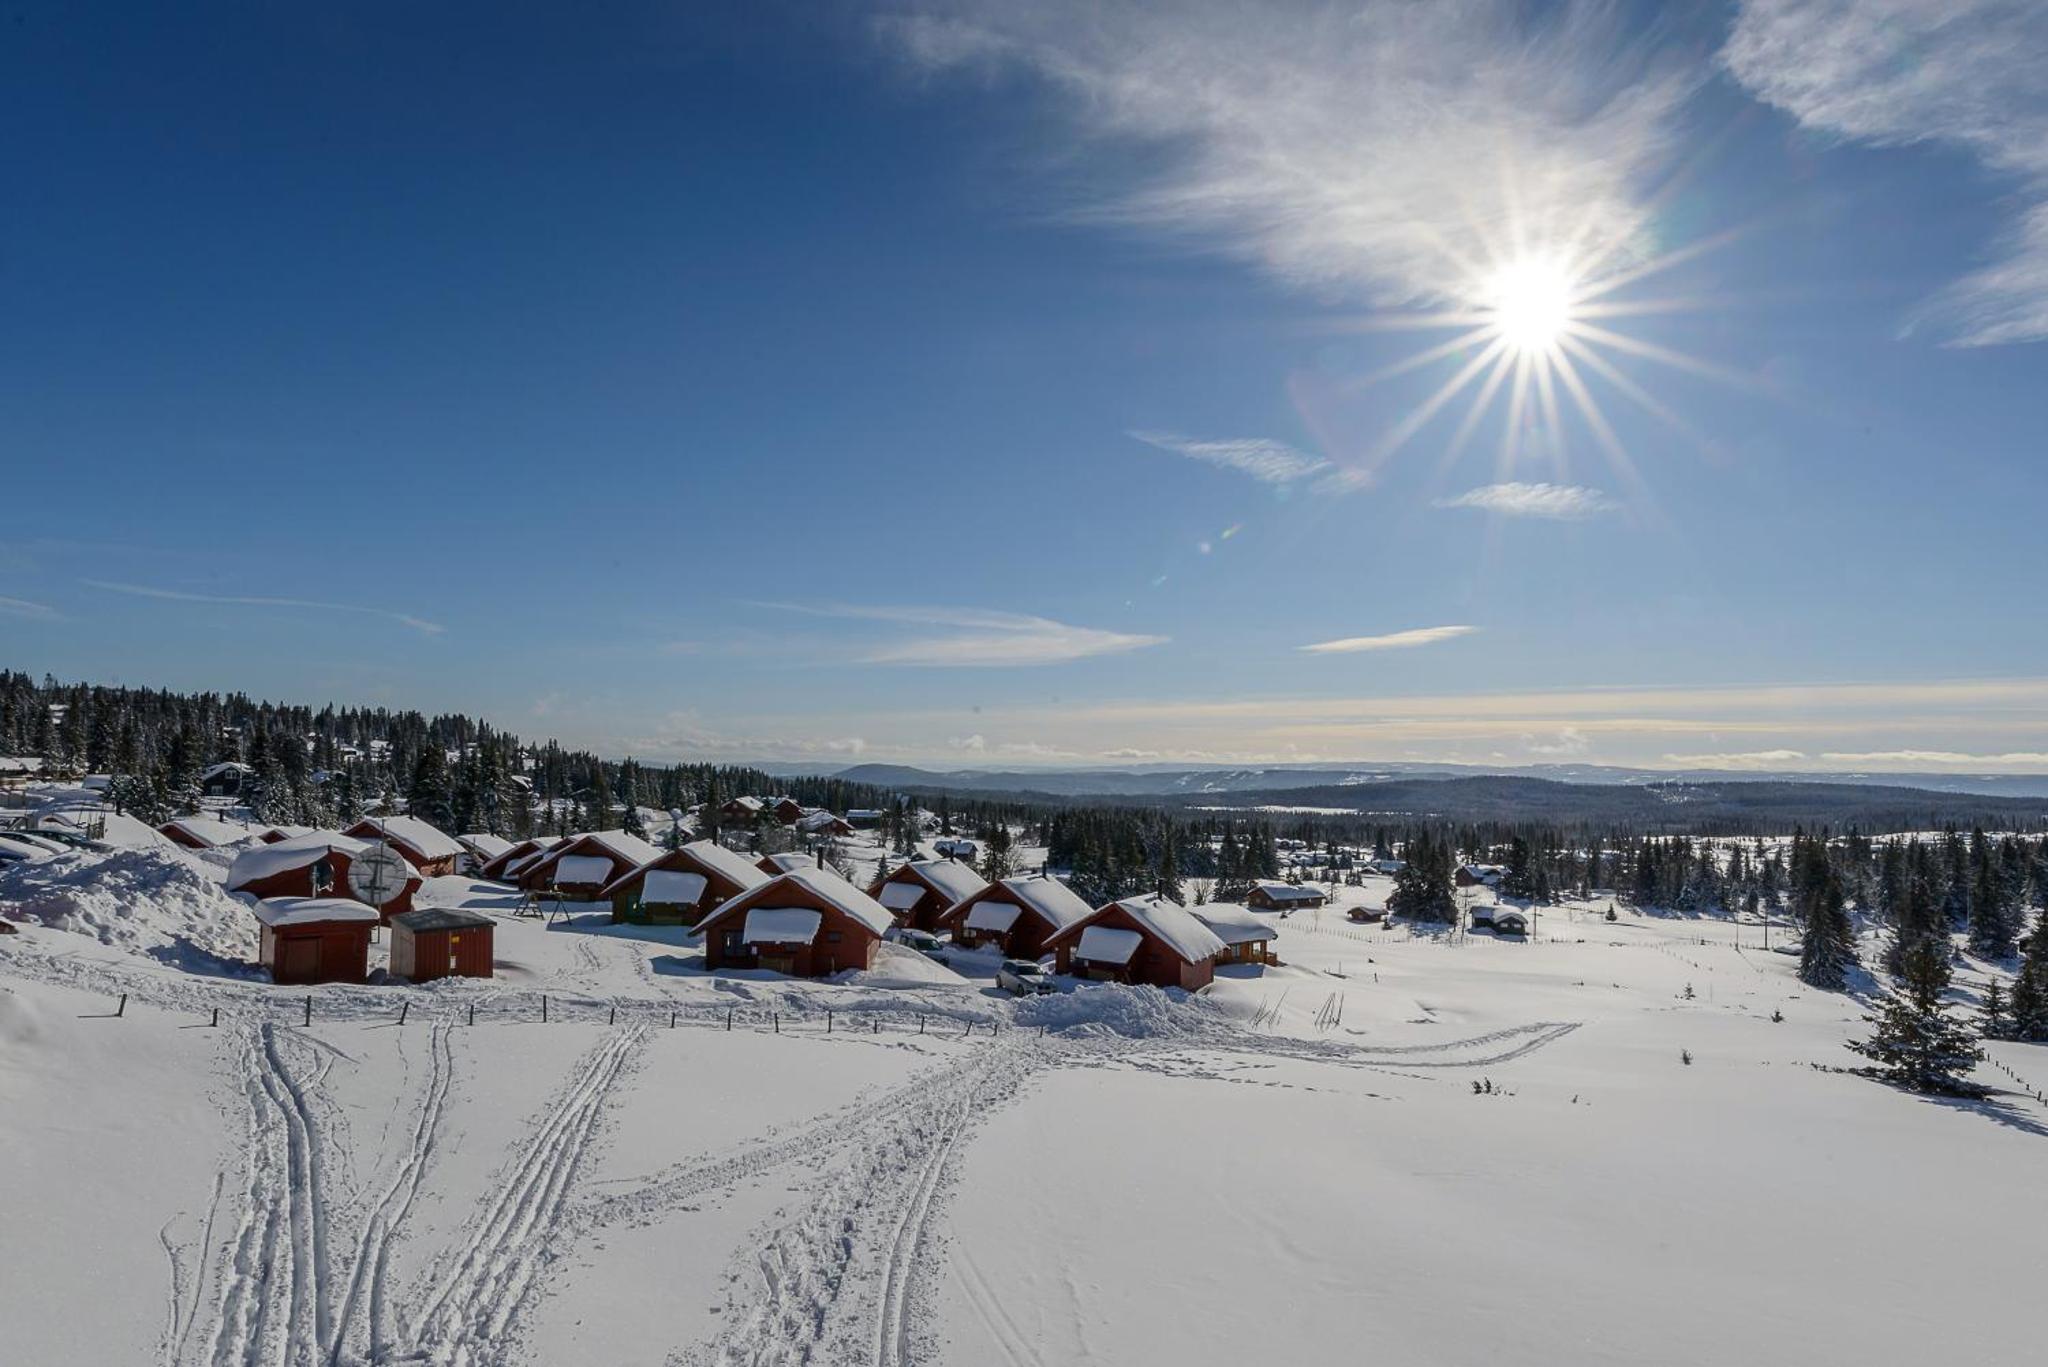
column 329, row 765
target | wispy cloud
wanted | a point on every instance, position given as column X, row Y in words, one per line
column 1917, row 759
column 979, row 637
column 1744, row 759
column 1394, row 640
column 258, row 601
column 1263, row 458
column 1558, row 502
column 1378, row 150
column 21, row 607
column 1967, row 73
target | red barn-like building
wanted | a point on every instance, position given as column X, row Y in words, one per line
column 440, row 942
column 316, row 939
column 326, row 864
column 421, row 845
column 809, row 923
column 582, row 867
column 920, row 893
column 679, row 887
column 1016, row 916
column 1140, row 940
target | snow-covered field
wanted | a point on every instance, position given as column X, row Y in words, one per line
column 1293, row 1168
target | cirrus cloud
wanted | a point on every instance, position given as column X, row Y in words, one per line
column 979, row 637
column 1393, row 640
column 1556, row 502
column 1382, row 150
column 1892, row 73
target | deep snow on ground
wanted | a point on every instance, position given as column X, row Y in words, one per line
column 909, row 1167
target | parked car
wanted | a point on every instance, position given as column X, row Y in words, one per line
column 1024, row 977
column 924, row 942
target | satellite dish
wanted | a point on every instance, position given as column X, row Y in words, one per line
column 378, row 875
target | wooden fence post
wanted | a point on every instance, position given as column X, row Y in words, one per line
column 309, row 1008
column 472, row 1013
column 615, row 1013
column 122, row 1009
column 543, row 1008
column 728, row 1019
column 216, row 1016
column 403, row 1008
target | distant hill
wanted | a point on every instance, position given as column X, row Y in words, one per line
column 1176, row 780
column 1659, row 803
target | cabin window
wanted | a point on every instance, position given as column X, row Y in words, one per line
column 733, row 944
column 323, row 876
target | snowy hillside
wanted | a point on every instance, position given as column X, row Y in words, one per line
column 1413, row 1148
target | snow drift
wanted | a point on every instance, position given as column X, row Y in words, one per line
column 146, row 901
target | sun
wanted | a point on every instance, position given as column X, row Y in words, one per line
column 1529, row 303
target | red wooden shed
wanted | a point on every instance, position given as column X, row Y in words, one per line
column 316, row 939
column 440, row 942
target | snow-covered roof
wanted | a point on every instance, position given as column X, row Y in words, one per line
column 298, row 911
column 791, row 859
column 572, row 869
column 816, row 821
column 630, row 848
column 1108, row 944
column 20, row 764
column 955, row 881
column 409, row 833
column 1058, row 904
column 1291, row 892
column 226, row 767
column 734, row 866
column 752, row 804
column 259, row 862
column 482, row 845
column 1233, row 924
column 782, row 925
column 1175, row 925
column 994, row 916
column 902, row 896
column 673, row 888
column 209, row 831
column 823, row 884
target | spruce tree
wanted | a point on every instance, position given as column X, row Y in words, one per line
column 2029, row 1010
column 1829, row 946
column 1915, row 1042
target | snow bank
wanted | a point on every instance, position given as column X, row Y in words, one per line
column 1114, row 1009
column 896, row 966
column 149, row 901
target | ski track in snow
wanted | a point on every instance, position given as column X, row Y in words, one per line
column 482, row 1284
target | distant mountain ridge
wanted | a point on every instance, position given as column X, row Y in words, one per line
column 1170, row 781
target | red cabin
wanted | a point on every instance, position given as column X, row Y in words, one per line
column 1016, row 916
column 326, row 864
column 1140, row 940
column 808, row 923
column 920, row 893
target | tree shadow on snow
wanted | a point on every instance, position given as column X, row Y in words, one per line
column 1999, row 1112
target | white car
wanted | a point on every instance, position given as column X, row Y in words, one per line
column 923, row 941
column 1024, row 977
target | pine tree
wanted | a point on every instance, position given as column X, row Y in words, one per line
column 997, row 863
column 1994, row 1016
column 2030, row 990
column 1829, row 945
column 1422, row 889
column 1915, row 1042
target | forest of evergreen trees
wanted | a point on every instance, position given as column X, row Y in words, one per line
column 327, row 766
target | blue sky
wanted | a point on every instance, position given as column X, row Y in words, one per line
column 969, row 383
